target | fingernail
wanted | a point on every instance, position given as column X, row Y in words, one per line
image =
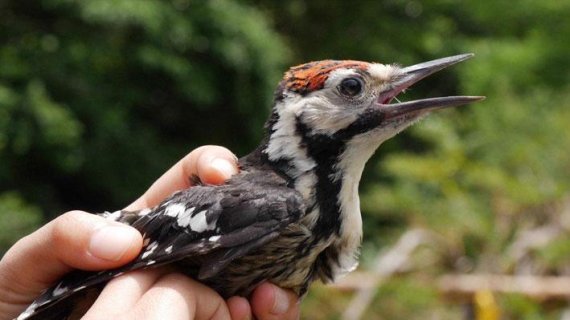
column 111, row 242
column 226, row 168
column 281, row 304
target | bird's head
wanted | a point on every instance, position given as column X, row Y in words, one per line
column 334, row 103
column 328, row 119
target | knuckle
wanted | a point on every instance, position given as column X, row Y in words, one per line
column 209, row 151
column 64, row 227
column 196, row 153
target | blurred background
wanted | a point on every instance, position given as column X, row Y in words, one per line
column 467, row 214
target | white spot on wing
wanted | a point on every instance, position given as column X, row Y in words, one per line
column 28, row 312
column 59, row 290
column 79, row 288
column 214, row 238
column 168, row 250
column 151, row 262
column 150, row 249
column 198, row 222
column 174, row 210
column 185, row 217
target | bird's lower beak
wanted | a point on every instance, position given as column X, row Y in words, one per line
column 412, row 74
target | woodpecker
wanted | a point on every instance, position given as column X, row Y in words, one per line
column 291, row 216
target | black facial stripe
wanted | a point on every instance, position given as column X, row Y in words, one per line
column 325, row 151
column 368, row 120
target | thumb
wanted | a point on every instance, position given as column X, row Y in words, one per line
column 74, row 240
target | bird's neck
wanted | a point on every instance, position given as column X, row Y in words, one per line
column 327, row 172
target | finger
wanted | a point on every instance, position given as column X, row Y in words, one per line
column 74, row 240
column 239, row 308
column 212, row 164
column 121, row 294
column 269, row 302
column 176, row 296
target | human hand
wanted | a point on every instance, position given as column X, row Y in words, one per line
column 78, row 240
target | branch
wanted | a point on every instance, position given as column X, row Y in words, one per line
column 387, row 263
column 538, row 287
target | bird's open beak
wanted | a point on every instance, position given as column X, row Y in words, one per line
column 412, row 74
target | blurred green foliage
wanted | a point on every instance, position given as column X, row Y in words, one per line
column 99, row 97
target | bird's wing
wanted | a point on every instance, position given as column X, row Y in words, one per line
column 215, row 224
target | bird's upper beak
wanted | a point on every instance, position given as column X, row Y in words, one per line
column 412, row 74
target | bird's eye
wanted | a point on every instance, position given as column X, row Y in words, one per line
column 350, row 87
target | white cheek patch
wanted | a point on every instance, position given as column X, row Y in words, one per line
column 326, row 118
column 326, row 112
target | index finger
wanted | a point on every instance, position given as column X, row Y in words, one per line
column 211, row 164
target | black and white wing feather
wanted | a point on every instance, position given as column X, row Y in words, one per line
column 208, row 225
